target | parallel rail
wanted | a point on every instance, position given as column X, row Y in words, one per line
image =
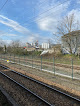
column 38, row 97
column 57, row 91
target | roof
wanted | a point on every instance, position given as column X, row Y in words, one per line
column 73, row 33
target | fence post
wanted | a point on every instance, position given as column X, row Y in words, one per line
column 14, row 58
column 4, row 57
column 72, row 68
column 24, row 58
column 19, row 59
column 41, row 62
column 54, row 65
column 32, row 60
column 1, row 56
column 10, row 57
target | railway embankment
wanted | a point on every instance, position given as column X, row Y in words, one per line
column 67, row 84
column 44, row 92
column 6, row 99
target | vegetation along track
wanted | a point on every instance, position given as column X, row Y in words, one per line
column 53, row 96
column 38, row 62
column 46, row 63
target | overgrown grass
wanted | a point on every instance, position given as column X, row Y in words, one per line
column 62, row 59
column 67, row 59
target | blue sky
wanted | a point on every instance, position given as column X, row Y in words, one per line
column 30, row 20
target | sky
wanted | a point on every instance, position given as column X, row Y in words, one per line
column 31, row 20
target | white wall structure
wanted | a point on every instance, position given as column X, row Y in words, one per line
column 45, row 45
column 71, row 40
column 44, row 52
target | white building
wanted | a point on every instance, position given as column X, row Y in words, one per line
column 45, row 45
column 71, row 41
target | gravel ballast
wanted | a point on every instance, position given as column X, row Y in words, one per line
column 3, row 100
column 51, row 96
column 22, row 97
column 6, row 99
column 67, row 84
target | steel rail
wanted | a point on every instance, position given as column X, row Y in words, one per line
column 42, row 100
column 65, row 94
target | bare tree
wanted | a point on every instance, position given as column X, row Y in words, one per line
column 15, row 47
column 68, row 28
column 15, row 44
column 2, row 50
column 50, row 42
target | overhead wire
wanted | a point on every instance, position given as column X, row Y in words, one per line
column 39, row 19
column 41, row 3
column 45, row 12
column 3, row 5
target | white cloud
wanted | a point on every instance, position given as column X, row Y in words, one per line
column 13, row 24
column 78, row 1
column 7, row 41
column 32, row 38
column 17, row 27
column 49, row 20
column 3, row 42
column 7, row 34
column 47, row 24
column 76, row 13
column 2, row 33
column 12, row 35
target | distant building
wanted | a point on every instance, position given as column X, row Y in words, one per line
column 28, row 45
column 56, row 48
column 45, row 45
column 24, row 47
column 32, row 46
column 35, row 45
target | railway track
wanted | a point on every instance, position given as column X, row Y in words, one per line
column 51, row 95
column 33, row 97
